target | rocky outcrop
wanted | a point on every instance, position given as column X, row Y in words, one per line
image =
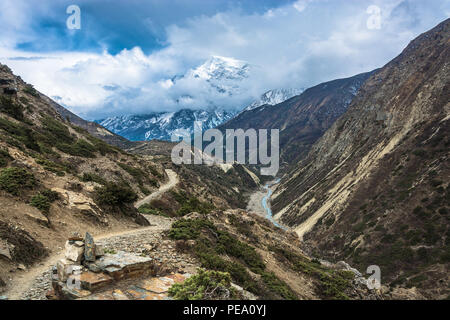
column 87, row 272
column 303, row 119
column 82, row 204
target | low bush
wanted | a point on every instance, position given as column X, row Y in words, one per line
column 8, row 106
column 147, row 209
column 4, row 157
column 212, row 243
column 81, row 148
column 205, row 285
column 41, row 202
column 31, row 90
column 92, row 177
column 115, row 194
column 14, row 180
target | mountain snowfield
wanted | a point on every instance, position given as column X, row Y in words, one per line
column 274, row 97
column 161, row 126
column 224, row 76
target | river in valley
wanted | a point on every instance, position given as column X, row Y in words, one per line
column 260, row 203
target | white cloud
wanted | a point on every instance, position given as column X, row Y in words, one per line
column 286, row 49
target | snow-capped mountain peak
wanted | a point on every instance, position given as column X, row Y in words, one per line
column 222, row 68
column 273, row 97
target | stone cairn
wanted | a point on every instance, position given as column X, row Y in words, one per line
column 86, row 268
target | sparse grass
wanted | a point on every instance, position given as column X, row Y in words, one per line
column 14, row 180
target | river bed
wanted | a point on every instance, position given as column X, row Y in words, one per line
column 260, row 203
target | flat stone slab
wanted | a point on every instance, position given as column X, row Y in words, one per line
column 162, row 284
column 93, row 281
column 122, row 265
column 140, row 294
column 74, row 293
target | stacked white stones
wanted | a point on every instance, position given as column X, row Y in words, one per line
column 77, row 250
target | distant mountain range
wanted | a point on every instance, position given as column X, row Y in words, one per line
column 161, row 126
column 224, row 75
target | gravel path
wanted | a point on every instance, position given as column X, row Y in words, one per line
column 149, row 241
column 173, row 180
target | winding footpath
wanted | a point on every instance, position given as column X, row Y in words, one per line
column 37, row 279
column 173, row 180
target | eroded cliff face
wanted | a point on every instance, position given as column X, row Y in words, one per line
column 303, row 119
column 374, row 188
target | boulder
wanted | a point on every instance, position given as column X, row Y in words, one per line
column 93, row 281
column 99, row 250
column 74, row 252
column 65, row 269
column 36, row 215
column 76, row 236
column 74, row 293
column 6, row 249
column 123, row 265
column 89, row 248
column 342, row 265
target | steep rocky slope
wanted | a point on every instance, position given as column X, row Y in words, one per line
column 55, row 178
column 93, row 128
column 374, row 189
column 302, row 119
column 223, row 185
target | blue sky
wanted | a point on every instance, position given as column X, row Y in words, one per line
column 122, row 58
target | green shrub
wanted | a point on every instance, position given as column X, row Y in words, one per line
column 144, row 190
column 21, row 133
column 13, row 180
column 92, row 177
column 81, row 148
column 277, row 286
column 138, row 174
column 4, row 157
column 114, row 194
column 8, row 106
column 52, row 196
column 147, row 209
column 58, row 168
column 188, row 229
column 191, row 204
column 101, row 146
column 41, row 202
column 59, row 133
column 205, row 285
column 333, row 285
column 31, row 90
